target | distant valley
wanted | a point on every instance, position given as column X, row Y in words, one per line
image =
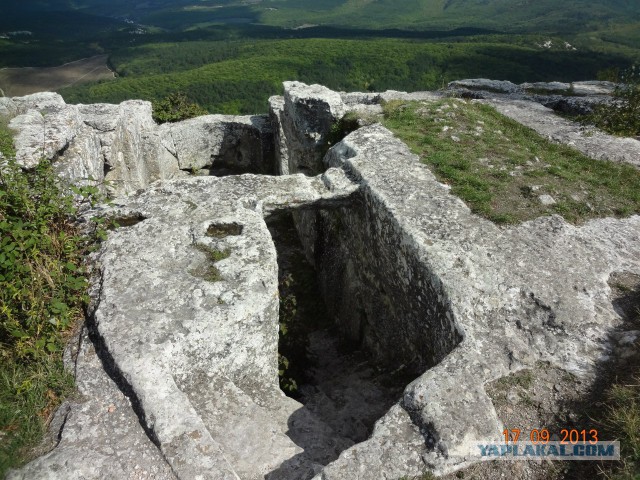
column 230, row 55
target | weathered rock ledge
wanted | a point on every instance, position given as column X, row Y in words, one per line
column 121, row 148
column 177, row 368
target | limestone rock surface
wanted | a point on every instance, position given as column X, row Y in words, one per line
column 44, row 132
column 100, row 435
column 239, row 143
column 178, row 366
column 309, row 113
column 484, row 84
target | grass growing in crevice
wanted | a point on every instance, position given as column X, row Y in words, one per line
column 213, row 254
column 424, row 476
column 42, row 295
column 6, row 139
column 501, row 169
column 523, row 378
column 210, row 272
column 616, row 416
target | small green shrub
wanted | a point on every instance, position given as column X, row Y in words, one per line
column 622, row 116
column 176, row 107
column 41, row 282
column 42, row 295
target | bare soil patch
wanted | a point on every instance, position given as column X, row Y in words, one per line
column 15, row 82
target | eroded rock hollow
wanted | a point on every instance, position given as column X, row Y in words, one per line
column 177, row 366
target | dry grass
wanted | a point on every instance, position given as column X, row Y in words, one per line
column 16, row 82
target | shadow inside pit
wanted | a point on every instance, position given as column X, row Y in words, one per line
column 244, row 149
column 343, row 390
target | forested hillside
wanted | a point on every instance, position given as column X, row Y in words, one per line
column 238, row 77
column 511, row 15
column 230, row 55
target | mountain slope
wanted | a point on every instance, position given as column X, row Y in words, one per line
column 508, row 15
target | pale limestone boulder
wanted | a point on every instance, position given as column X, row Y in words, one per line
column 43, row 132
column 308, row 115
column 8, row 108
column 82, row 162
column 238, row 143
column 498, row 86
column 41, row 101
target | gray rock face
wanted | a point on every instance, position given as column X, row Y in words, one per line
column 577, row 98
column 43, row 133
column 308, row 115
column 585, row 88
column 484, row 84
column 200, row 349
column 122, row 149
column 241, row 144
column 43, row 102
column 474, row 320
column 593, row 87
column 547, row 306
column 82, row 162
column 281, row 152
column 8, row 107
column 136, row 156
column 102, row 437
column 547, row 87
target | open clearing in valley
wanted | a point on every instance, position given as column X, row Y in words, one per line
column 15, row 82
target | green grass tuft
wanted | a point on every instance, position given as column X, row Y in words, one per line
column 213, row 254
column 210, row 272
column 29, row 394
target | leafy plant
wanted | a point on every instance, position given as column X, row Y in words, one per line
column 287, row 384
column 176, row 107
column 42, row 295
column 343, row 127
column 622, row 115
column 301, row 311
